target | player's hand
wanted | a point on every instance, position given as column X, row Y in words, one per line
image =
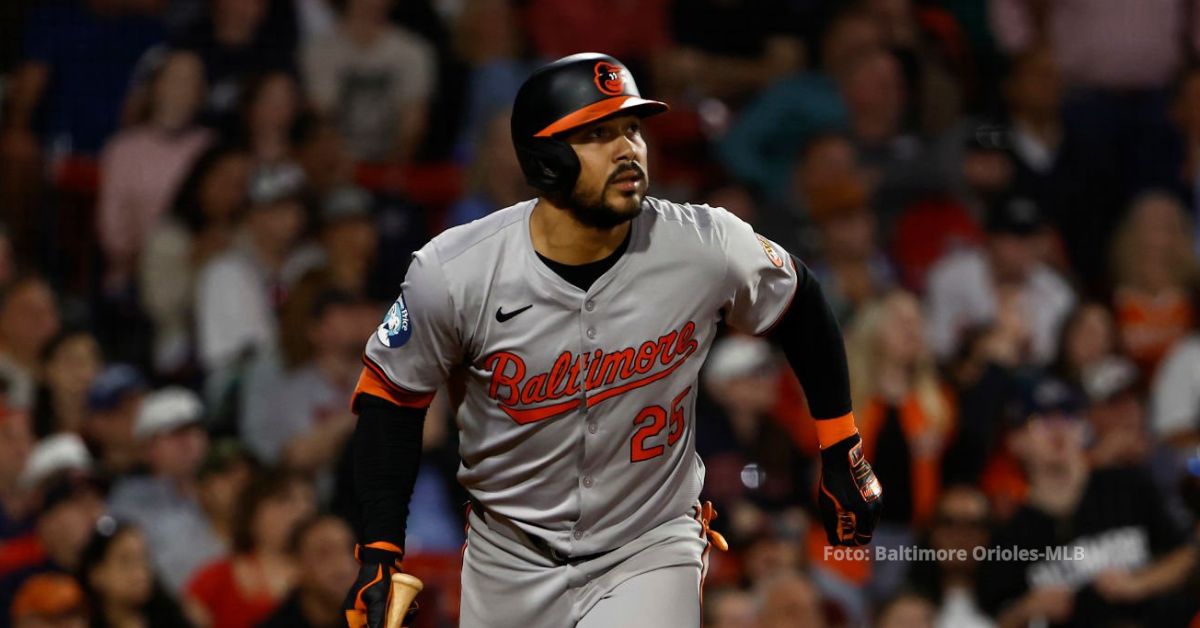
column 367, row 602
column 850, row 496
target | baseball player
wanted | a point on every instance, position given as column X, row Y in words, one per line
column 571, row 329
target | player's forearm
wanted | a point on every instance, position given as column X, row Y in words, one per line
column 387, row 455
column 811, row 339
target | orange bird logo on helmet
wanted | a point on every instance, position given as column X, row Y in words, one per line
column 610, row 78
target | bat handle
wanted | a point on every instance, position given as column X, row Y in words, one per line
column 404, row 590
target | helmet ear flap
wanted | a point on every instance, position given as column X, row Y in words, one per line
column 549, row 164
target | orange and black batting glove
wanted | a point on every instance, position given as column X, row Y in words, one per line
column 849, row 495
column 367, row 602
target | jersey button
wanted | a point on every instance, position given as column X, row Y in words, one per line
column 592, row 427
column 591, row 332
column 589, row 306
column 578, row 534
column 587, row 481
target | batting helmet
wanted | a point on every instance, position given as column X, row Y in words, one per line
column 565, row 95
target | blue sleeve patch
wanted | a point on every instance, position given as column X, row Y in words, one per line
column 396, row 327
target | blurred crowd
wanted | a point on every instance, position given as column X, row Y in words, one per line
column 207, row 205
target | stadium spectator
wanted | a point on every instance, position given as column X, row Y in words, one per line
column 961, row 524
column 1154, row 268
column 1117, row 58
column 71, row 361
column 202, row 224
column 905, row 418
column 1175, row 394
column 238, row 291
column 323, row 548
column 122, row 589
column 494, row 179
column 64, row 92
column 1053, row 166
column 906, row 610
column 1087, row 338
column 322, row 152
column 966, row 288
column 233, row 42
column 70, row 501
column 759, row 148
column 755, row 472
column 165, row 502
column 1185, row 115
column 245, row 587
column 269, row 114
column 931, row 48
column 142, row 167
column 851, row 268
column 710, row 59
column 727, row 607
column 488, row 37
column 824, row 160
column 790, row 600
column 375, row 79
column 113, row 401
column 49, row 600
column 28, row 320
column 1116, row 421
column 349, row 246
column 223, row 476
column 305, row 423
column 1132, row 554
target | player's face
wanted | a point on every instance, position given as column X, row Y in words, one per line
column 613, row 176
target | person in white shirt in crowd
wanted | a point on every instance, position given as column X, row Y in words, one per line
column 374, row 78
column 1175, row 394
column 165, row 503
column 967, row 288
column 239, row 291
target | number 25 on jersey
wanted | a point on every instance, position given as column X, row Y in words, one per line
column 653, row 419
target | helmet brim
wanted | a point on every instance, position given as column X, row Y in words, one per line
column 603, row 109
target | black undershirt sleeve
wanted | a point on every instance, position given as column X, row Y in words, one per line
column 387, row 455
column 811, row 339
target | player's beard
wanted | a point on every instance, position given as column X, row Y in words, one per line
column 598, row 213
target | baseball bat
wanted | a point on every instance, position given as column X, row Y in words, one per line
column 404, row 590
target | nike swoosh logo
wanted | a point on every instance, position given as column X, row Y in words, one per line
column 502, row 316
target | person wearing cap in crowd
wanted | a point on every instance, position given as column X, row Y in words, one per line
column 323, row 548
column 304, row 423
column 1122, row 552
column 851, row 268
column 70, row 499
column 49, row 600
column 1120, row 434
column 238, row 291
column 165, row 503
column 968, row 288
column 348, row 245
column 113, row 401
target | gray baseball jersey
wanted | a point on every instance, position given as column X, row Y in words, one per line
column 577, row 418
